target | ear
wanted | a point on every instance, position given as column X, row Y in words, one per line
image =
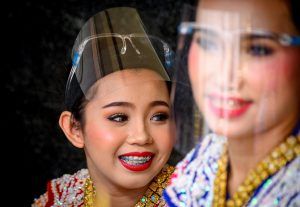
column 71, row 128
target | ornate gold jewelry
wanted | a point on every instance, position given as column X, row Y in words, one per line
column 278, row 158
column 89, row 193
column 150, row 199
column 154, row 192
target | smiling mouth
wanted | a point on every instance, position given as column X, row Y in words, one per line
column 228, row 107
column 136, row 161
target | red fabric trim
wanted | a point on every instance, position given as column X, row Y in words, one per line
column 50, row 201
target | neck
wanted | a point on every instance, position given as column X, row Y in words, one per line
column 109, row 194
column 118, row 197
column 246, row 152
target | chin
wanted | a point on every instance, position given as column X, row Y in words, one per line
column 227, row 129
column 134, row 182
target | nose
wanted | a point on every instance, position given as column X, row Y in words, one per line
column 228, row 76
column 139, row 134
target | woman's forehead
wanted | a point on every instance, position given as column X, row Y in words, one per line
column 130, row 75
column 272, row 15
column 124, row 79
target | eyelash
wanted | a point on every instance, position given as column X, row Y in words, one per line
column 120, row 118
column 206, row 44
column 162, row 117
column 259, row 50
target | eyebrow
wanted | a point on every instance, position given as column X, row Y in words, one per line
column 258, row 36
column 118, row 103
column 127, row 104
column 212, row 33
column 159, row 103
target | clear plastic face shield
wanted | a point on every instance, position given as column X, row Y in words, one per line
column 244, row 72
column 112, row 41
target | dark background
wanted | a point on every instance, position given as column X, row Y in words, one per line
column 40, row 38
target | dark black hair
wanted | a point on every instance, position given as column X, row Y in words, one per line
column 75, row 100
column 295, row 9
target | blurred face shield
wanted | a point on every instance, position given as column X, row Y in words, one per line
column 111, row 41
column 244, row 73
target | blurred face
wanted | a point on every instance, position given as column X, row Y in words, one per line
column 244, row 81
column 127, row 128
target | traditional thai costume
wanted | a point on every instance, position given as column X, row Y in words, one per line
column 193, row 182
column 77, row 190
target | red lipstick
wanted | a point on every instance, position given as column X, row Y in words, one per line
column 136, row 161
column 228, row 107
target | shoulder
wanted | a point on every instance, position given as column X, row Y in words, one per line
column 194, row 175
column 64, row 191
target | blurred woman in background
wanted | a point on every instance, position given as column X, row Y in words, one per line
column 244, row 67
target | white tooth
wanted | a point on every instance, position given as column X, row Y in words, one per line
column 231, row 103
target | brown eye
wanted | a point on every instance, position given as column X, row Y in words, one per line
column 118, row 118
column 206, row 44
column 260, row 50
column 160, row 117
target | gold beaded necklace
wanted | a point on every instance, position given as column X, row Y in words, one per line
column 150, row 199
column 279, row 157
